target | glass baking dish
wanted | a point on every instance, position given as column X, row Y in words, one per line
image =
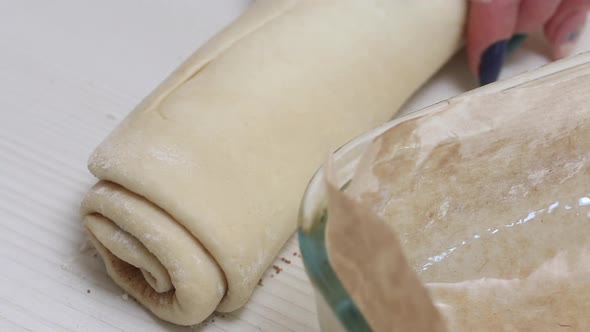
column 336, row 310
column 335, row 307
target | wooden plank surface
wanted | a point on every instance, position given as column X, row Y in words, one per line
column 70, row 70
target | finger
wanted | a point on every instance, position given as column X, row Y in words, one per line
column 489, row 25
column 533, row 14
column 564, row 27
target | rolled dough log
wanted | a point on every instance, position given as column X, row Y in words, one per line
column 200, row 184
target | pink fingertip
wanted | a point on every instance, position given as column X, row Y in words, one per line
column 567, row 35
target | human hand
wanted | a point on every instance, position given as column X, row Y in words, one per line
column 496, row 26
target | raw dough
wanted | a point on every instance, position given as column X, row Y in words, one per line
column 224, row 147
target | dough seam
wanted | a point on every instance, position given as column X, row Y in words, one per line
column 163, row 95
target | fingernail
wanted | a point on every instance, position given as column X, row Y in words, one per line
column 491, row 62
column 515, row 42
column 569, row 44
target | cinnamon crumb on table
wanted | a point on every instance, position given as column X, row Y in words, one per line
column 277, row 269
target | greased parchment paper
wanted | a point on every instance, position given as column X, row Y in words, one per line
column 490, row 200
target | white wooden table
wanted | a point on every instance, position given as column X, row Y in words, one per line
column 70, row 70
